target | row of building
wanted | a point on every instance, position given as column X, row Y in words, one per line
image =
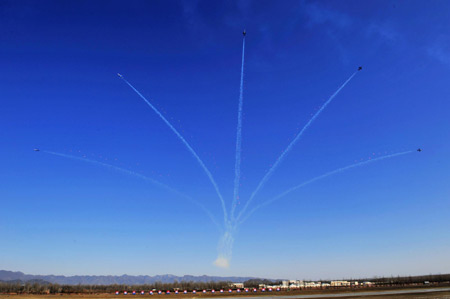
column 168, row 292
column 239, row 287
column 301, row 284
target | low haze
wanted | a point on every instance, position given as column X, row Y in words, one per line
column 112, row 189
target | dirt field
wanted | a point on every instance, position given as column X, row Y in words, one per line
column 420, row 293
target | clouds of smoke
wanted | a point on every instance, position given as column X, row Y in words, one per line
column 323, row 176
column 225, row 249
column 237, row 166
column 191, row 150
column 140, row 176
column 230, row 222
column 222, row 262
column 291, row 145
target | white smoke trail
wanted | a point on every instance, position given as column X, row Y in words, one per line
column 237, row 166
column 138, row 175
column 203, row 166
column 319, row 178
column 225, row 247
column 291, row 145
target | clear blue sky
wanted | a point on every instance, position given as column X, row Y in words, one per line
column 59, row 92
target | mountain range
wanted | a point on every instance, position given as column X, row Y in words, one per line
column 113, row 279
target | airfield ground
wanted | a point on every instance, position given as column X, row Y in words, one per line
column 389, row 293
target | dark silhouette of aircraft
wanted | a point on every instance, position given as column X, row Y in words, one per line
column 244, row 33
column 37, row 150
column 419, row 150
column 360, row 68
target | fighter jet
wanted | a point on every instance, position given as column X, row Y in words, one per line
column 360, row 68
column 119, row 75
column 37, row 150
column 419, row 150
column 244, row 33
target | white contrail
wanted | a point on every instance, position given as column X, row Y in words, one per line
column 237, row 166
column 319, row 178
column 291, row 145
column 138, row 175
column 208, row 173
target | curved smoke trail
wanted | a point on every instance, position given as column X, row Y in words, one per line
column 203, row 166
column 291, row 145
column 138, row 175
column 237, row 166
column 319, row 178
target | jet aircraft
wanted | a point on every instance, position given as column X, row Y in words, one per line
column 37, row 150
column 244, row 33
column 360, row 68
column 419, row 150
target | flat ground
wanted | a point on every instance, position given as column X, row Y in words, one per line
column 401, row 293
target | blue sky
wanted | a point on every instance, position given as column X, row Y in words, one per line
column 60, row 92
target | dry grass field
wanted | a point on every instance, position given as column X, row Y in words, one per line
column 418, row 293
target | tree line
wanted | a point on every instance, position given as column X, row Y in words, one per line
column 42, row 287
column 405, row 280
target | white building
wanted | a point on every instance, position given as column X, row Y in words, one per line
column 237, row 285
column 313, row 284
column 340, row 283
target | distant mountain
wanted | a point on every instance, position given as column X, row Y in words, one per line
column 110, row 279
column 18, row 281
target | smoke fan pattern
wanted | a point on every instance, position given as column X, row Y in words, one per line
column 231, row 222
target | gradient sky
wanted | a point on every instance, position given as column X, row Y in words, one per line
column 60, row 92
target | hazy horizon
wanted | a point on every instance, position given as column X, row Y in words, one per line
column 224, row 276
column 113, row 189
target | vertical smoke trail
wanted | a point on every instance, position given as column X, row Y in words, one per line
column 225, row 249
column 138, row 175
column 319, row 178
column 289, row 147
column 203, row 166
column 237, row 166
